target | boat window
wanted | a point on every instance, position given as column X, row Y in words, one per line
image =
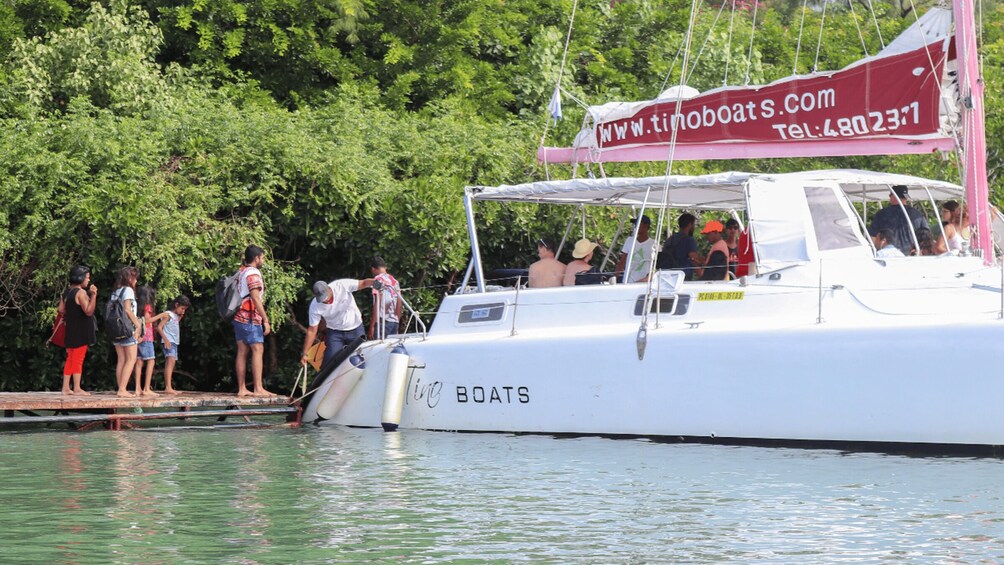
column 834, row 228
column 664, row 305
column 473, row 313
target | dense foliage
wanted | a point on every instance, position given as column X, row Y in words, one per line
column 169, row 135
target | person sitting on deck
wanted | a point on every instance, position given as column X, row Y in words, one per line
column 894, row 218
column 579, row 270
column 714, row 267
column 925, row 238
column 680, row 250
column 547, row 272
column 884, row 246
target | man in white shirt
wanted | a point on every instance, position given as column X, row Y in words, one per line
column 641, row 259
column 333, row 302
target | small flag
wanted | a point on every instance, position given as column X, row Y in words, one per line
column 554, row 106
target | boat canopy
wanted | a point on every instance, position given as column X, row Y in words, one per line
column 720, row 191
column 792, row 217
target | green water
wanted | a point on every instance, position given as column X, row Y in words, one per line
column 345, row 495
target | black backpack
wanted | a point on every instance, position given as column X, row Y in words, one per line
column 228, row 296
column 666, row 260
column 118, row 326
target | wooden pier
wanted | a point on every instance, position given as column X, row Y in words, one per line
column 112, row 412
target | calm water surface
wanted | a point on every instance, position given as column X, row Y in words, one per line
column 322, row 495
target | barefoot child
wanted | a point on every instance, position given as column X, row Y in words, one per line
column 145, row 298
column 169, row 328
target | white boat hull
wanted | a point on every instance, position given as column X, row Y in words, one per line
column 882, row 379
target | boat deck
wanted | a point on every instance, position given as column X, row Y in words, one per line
column 114, row 412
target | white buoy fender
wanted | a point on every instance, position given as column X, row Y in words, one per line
column 393, row 395
column 346, row 376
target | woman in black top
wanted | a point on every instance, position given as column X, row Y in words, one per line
column 77, row 306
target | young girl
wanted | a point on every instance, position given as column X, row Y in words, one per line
column 125, row 349
column 145, row 298
column 77, row 308
column 169, row 328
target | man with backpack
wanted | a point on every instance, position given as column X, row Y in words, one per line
column 250, row 322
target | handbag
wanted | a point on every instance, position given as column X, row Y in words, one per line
column 58, row 337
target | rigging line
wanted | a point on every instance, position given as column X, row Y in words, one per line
column 979, row 46
column 574, row 98
column 819, row 40
column 728, row 45
column 749, row 56
column 878, row 30
column 711, row 31
column 672, row 66
column 561, row 73
column 854, row 18
column 663, row 211
column 798, row 43
column 927, row 49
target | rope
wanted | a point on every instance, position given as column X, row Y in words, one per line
column 557, row 85
column 798, row 44
column 878, row 30
column 706, row 39
column 672, row 66
column 819, row 40
column 854, row 18
column 749, row 55
column 728, row 45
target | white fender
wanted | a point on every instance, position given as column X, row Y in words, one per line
column 393, row 395
column 346, row 376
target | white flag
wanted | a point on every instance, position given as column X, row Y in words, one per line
column 554, row 106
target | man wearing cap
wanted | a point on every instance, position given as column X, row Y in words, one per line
column 548, row 271
column 583, row 254
column 715, row 266
column 644, row 249
column 334, row 303
column 894, row 217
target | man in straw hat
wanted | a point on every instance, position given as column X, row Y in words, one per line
column 333, row 302
column 583, row 254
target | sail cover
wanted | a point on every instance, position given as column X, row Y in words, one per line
column 902, row 93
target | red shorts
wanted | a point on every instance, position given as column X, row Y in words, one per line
column 75, row 360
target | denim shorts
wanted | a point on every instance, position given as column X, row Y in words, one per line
column 125, row 342
column 249, row 333
column 145, row 350
column 171, row 351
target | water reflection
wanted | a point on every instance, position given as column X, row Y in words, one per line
column 321, row 495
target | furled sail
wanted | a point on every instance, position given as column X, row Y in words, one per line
column 901, row 100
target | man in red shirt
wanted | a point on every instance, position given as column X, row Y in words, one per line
column 251, row 323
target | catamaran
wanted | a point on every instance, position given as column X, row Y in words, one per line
column 822, row 343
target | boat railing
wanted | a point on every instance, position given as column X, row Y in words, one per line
column 419, row 323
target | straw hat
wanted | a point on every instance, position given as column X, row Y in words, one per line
column 583, row 247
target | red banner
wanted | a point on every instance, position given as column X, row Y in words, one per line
column 896, row 95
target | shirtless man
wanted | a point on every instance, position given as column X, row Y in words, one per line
column 583, row 254
column 548, row 271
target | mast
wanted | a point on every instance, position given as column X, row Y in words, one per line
column 974, row 145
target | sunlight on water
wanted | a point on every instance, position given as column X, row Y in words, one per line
column 313, row 495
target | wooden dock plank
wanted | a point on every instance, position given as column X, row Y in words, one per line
column 108, row 401
column 81, row 418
